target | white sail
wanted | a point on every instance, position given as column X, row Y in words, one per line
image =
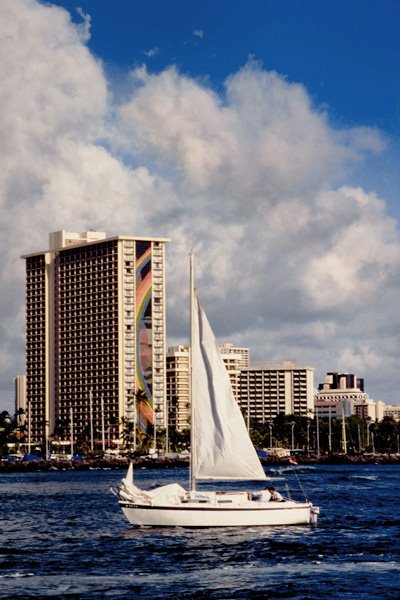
column 223, row 449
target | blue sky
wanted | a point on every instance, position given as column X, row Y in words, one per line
column 265, row 135
column 346, row 53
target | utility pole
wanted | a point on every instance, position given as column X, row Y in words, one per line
column 330, row 432
column 72, row 430
column 155, row 429
column 368, row 426
column 344, row 440
column 103, row 437
column 91, row 419
column 29, row 427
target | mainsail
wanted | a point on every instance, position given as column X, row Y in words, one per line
column 223, row 449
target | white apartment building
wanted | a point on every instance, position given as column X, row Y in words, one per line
column 178, row 390
column 178, row 396
column 391, row 411
column 235, row 360
column 269, row 390
column 95, row 328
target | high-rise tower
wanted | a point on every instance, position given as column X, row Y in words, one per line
column 95, row 334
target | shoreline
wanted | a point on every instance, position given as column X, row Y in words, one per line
column 149, row 462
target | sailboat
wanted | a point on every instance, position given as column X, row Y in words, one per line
column 221, row 449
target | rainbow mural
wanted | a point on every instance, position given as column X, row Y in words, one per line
column 144, row 336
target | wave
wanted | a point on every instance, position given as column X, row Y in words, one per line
column 16, row 575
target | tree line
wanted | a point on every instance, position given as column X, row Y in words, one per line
column 353, row 435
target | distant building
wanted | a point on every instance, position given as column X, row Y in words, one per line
column 235, row 360
column 178, row 396
column 95, row 327
column 369, row 409
column 178, row 391
column 341, row 381
column 343, row 394
column 340, row 387
column 391, row 411
column 269, row 390
column 261, row 392
column 241, row 356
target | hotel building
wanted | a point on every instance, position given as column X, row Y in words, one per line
column 178, row 393
column 269, row 390
column 95, row 334
column 261, row 392
column 178, row 390
column 235, row 360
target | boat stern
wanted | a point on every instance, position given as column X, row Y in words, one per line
column 314, row 512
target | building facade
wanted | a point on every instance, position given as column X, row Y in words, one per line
column 20, row 399
column 342, row 395
column 268, row 391
column 178, row 388
column 235, row 360
column 391, row 411
column 341, row 381
column 95, row 334
column 178, row 391
column 261, row 392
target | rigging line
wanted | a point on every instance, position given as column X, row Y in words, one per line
column 300, row 486
column 287, row 490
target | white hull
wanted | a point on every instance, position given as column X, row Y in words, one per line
column 198, row 514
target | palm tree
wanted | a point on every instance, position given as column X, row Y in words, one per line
column 142, row 401
column 386, row 435
column 128, row 432
column 6, row 427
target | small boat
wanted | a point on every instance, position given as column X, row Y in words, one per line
column 221, row 449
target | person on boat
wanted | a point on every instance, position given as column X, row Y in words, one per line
column 275, row 496
column 262, row 496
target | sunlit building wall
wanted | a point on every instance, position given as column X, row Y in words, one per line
column 266, row 391
column 178, row 396
column 178, row 390
column 235, row 359
column 20, row 399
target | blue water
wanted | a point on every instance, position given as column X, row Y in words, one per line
column 64, row 536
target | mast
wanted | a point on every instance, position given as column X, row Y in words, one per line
column 344, row 440
column 192, row 424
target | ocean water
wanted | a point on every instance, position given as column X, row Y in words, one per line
column 64, row 536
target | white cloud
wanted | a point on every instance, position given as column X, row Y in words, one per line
column 291, row 261
column 85, row 25
column 198, row 33
column 151, row 52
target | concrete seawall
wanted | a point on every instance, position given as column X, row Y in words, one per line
column 150, row 462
